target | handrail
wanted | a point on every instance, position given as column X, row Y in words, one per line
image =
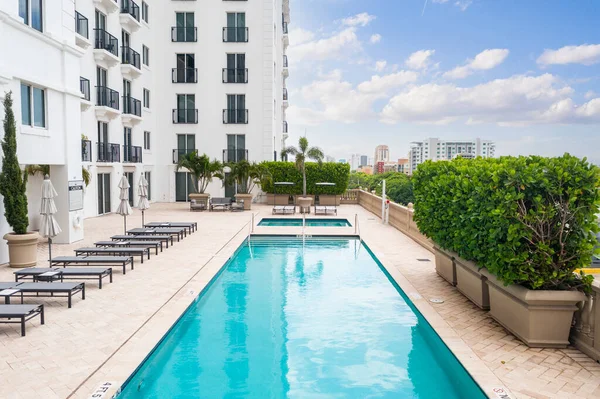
column 356, row 226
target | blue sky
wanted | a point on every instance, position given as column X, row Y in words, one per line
column 525, row 73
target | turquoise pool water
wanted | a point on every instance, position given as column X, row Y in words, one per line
column 309, row 222
column 293, row 319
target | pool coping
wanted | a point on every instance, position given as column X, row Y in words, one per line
column 129, row 357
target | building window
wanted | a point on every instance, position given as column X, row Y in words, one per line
column 146, row 140
column 33, row 106
column 145, row 11
column 148, row 177
column 146, row 55
column 146, row 98
column 31, row 12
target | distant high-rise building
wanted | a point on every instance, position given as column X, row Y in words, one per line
column 364, row 160
column 354, row 161
column 404, row 165
column 382, row 154
column 329, row 158
column 342, row 160
column 437, row 150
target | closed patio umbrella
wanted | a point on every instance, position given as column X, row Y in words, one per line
column 49, row 226
column 143, row 202
column 124, row 207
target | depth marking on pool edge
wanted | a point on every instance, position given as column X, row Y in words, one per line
column 501, row 393
column 102, row 390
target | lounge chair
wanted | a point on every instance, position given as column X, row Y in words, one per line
column 53, row 289
column 278, row 209
column 191, row 226
column 163, row 238
column 49, row 274
column 289, row 209
column 21, row 313
column 320, row 210
column 130, row 243
column 237, row 206
column 331, row 209
column 219, row 203
column 117, row 251
column 64, row 261
column 175, row 231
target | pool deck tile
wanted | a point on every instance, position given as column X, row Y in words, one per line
column 105, row 337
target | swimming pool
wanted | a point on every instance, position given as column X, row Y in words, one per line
column 279, row 222
column 288, row 318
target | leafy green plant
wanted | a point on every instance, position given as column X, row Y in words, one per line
column 528, row 220
column 302, row 153
column 203, row 170
column 32, row 170
column 329, row 172
column 12, row 185
column 246, row 175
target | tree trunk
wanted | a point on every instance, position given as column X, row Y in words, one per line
column 303, row 180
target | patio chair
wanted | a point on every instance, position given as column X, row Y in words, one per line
column 130, row 243
column 219, row 203
column 64, row 261
column 278, row 209
column 19, row 314
column 163, row 238
column 117, row 251
column 191, row 226
column 289, row 209
column 320, row 210
column 48, row 274
column 51, row 289
column 330, row 209
column 237, row 206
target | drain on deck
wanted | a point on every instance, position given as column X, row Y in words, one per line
column 423, row 260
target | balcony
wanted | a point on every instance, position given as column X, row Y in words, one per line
column 178, row 153
column 235, row 155
column 285, row 98
column 130, row 63
column 107, row 103
column 130, row 15
column 184, row 34
column 109, row 152
column 82, row 38
column 132, row 111
column 106, row 48
column 235, row 75
column 184, row 75
column 86, row 151
column 235, row 35
column 285, row 69
column 284, row 25
column 185, row 116
column 109, row 5
column 132, row 154
column 84, row 87
column 285, row 127
column 286, row 37
column 235, row 116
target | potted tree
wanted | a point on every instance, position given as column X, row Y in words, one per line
column 246, row 176
column 301, row 154
column 22, row 244
column 203, row 170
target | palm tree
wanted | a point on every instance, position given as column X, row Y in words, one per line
column 302, row 153
column 202, row 169
column 247, row 175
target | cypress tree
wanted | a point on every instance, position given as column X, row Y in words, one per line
column 12, row 184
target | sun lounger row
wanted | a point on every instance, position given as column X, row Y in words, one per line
column 284, row 209
column 325, row 210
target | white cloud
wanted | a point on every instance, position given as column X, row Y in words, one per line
column 487, row 59
column 518, row 100
column 462, row 4
column 380, row 65
column 586, row 54
column 376, row 38
column 341, row 44
column 381, row 84
column 590, row 94
column 419, row 59
column 362, row 19
column 299, row 36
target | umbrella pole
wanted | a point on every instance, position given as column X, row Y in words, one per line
column 124, row 224
column 142, row 218
column 50, row 249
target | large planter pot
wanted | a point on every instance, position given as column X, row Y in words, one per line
column 444, row 264
column 540, row 318
column 329, row 200
column 201, row 200
column 247, row 198
column 471, row 283
column 22, row 249
column 279, row 199
column 304, row 203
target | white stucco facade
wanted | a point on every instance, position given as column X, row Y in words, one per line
column 141, row 136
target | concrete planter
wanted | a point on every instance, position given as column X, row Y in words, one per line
column 329, row 200
column 247, row 198
column 304, row 203
column 540, row 318
column 279, row 199
column 471, row 283
column 22, row 249
column 444, row 264
column 201, row 199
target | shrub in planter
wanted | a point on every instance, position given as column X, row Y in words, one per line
column 528, row 220
column 331, row 172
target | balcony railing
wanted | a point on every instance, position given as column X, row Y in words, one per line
column 235, row 116
column 106, row 97
column 179, row 153
column 285, row 94
column 84, row 86
column 235, row 75
column 235, row 35
column 86, row 151
column 235, row 155
column 131, row 8
column 132, row 106
column 285, row 61
column 185, row 115
column 130, row 56
column 81, row 25
column 132, row 154
column 285, row 127
column 184, row 75
column 109, row 152
column 184, row 34
column 106, row 41
column 285, row 28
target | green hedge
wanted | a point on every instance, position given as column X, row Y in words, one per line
column 528, row 220
column 329, row 172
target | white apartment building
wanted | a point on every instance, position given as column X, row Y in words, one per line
column 123, row 87
column 436, row 149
